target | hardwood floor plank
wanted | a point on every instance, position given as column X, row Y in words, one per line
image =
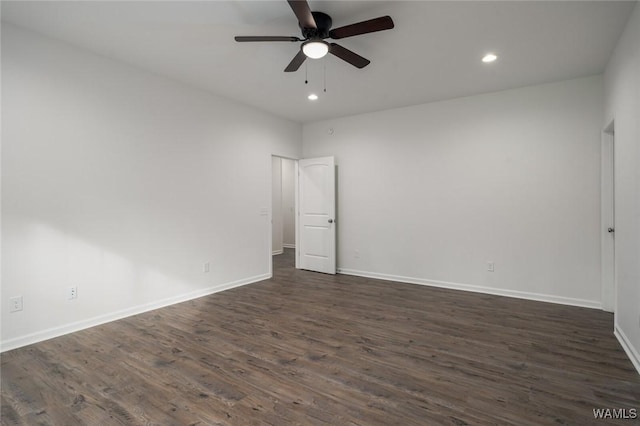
column 305, row 348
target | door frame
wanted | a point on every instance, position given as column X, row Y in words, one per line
column 269, row 214
column 607, row 219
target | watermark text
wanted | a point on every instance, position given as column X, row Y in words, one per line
column 615, row 413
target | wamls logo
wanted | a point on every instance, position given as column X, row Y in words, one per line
column 615, row 413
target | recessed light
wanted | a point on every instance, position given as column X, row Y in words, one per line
column 312, row 97
column 489, row 57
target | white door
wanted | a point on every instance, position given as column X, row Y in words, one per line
column 317, row 214
column 608, row 221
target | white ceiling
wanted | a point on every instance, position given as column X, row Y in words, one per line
column 433, row 53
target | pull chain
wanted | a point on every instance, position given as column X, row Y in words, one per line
column 306, row 73
column 324, row 63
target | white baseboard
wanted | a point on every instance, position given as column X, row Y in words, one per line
column 277, row 252
column 50, row 333
column 477, row 289
column 631, row 352
column 289, row 245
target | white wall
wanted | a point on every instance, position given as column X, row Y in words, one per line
column 622, row 105
column 431, row 193
column 288, row 203
column 276, row 205
column 123, row 184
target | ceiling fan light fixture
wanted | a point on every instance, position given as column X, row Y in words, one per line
column 315, row 28
column 315, row 49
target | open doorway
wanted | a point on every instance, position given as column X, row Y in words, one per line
column 303, row 213
column 283, row 223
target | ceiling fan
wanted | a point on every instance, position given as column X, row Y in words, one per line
column 316, row 26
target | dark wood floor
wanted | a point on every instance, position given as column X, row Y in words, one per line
column 307, row 348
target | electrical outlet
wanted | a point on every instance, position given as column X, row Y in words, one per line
column 15, row 304
column 72, row 293
column 206, row 267
column 490, row 267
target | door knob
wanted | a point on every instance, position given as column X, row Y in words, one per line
column 330, row 220
column 610, row 230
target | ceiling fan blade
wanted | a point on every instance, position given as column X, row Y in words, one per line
column 296, row 62
column 303, row 13
column 364, row 27
column 349, row 56
column 265, row 38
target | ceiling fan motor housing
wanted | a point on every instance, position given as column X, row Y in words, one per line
column 323, row 25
